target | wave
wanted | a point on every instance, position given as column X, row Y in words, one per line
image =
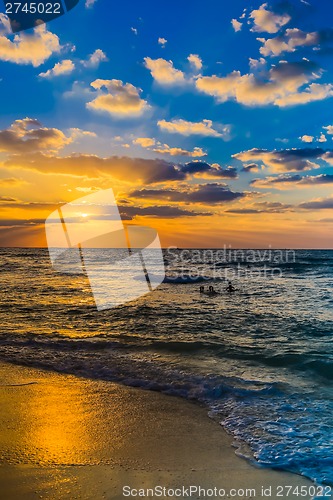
column 281, row 426
column 295, row 266
column 313, row 363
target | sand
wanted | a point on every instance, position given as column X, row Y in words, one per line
column 64, row 437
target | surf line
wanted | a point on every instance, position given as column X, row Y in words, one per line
column 18, row 385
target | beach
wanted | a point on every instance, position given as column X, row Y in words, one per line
column 70, row 437
column 258, row 362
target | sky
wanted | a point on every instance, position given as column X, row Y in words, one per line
column 211, row 121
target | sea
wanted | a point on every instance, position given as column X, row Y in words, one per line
column 260, row 358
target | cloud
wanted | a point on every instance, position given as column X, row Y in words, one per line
column 170, row 195
column 262, row 207
column 329, row 129
column 129, row 170
column 293, row 39
column 237, row 25
column 267, row 21
column 273, row 207
column 95, row 59
column 285, row 84
column 90, row 3
column 283, row 140
column 292, row 181
column 148, row 142
column 307, row 138
column 77, row 133
column 28, row 135
column 6, row 199
column 183, row 127
column 203, row 170
column 287, row 160
column 120, row 100
column 162, row 41
column 319, row 204
column 64, row 67
column 196, row 61
column 32, row 49
column 322, row 138
column 5, row 27
column 163, row 72
column 288, row 42
column 144, row 142
column 243, row 211
column 252, row 167
column 11, row 182
column 328, row 157
column 161, row 211
column 210, row 194
column 314, row 92
column 20, row 222
column 27, row 205
column 165, row 149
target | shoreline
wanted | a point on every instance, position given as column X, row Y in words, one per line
column 69, row 437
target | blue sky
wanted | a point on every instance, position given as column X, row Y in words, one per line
column 240, row 92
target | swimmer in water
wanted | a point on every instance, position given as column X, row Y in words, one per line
column 230, row 288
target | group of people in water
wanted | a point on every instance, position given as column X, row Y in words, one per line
column 230, row 289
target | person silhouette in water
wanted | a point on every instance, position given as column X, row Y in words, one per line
column 230, row 288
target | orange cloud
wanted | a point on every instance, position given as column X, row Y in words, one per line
column 165, row 149
column 28, row 135
column 128, row 170
column 144, row 142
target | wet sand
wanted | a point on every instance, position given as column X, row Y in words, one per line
column 64, row 437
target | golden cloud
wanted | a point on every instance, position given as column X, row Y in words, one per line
column 64, row 67
column 120, row 100
column 283, row 85
column 268, row 21
column 165, row 149
column 32, row 49
column 183, row 127
column 144, row 142
column 164, row 72
column 28, row 135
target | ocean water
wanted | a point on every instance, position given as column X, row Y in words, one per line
column 260, row 359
